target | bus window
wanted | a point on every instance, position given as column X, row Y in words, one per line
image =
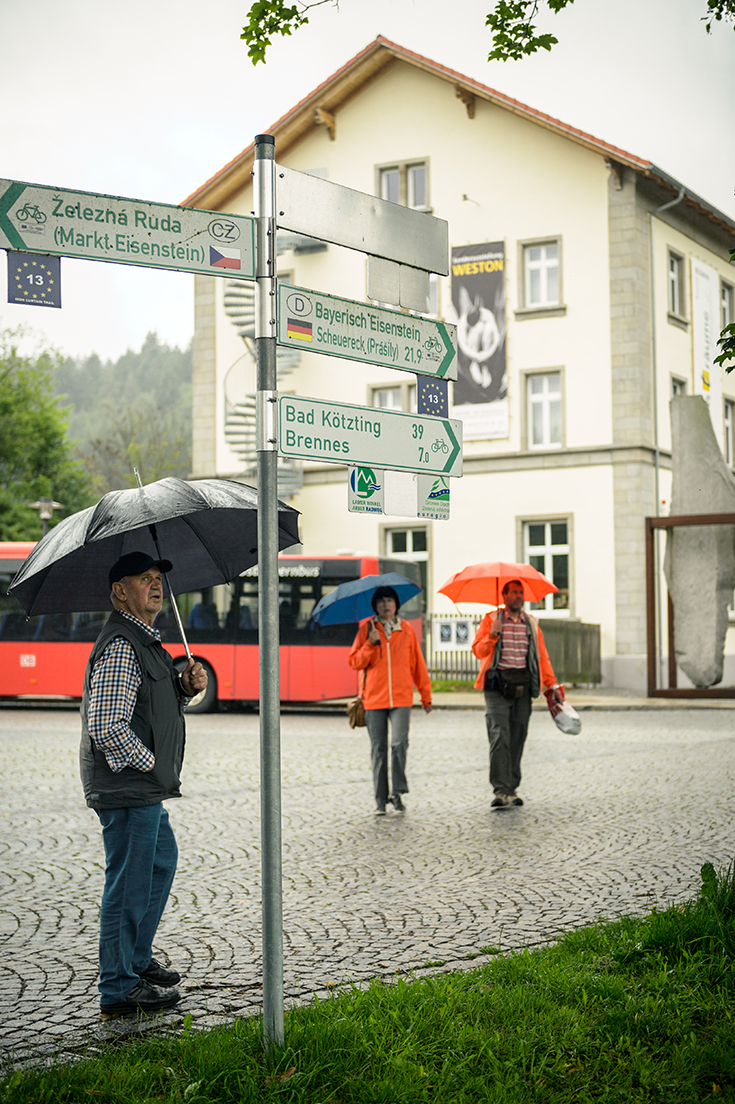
column 88, row 626
column 46, row 655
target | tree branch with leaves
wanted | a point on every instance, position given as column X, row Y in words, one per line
column 274, row 17
column 511, row 22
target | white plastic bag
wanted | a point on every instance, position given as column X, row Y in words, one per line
column 564, row 715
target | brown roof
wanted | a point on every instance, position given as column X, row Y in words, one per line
column 365, row 67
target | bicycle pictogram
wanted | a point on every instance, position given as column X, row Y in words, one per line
column 433, row 348
column 30, row 211
column 439, row 446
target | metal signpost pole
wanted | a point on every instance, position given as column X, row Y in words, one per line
column 268, row 635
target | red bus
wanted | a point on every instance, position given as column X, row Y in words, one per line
column 45, row 656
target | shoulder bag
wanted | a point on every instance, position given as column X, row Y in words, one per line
column 355, row 708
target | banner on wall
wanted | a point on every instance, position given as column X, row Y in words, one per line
column 478, row 311
column 705, row 332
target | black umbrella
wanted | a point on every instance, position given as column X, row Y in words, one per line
column 206, row 527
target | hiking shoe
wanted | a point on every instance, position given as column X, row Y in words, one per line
column 157, row 974
column 396, row 802
column 143, row 997
column 500, row 801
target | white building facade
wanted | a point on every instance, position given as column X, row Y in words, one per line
column 591, row 276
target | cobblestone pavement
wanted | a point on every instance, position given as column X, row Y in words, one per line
column 615, row 820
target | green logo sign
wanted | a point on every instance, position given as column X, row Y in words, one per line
column 433, row 497
column 365, row 491
column 364, row 483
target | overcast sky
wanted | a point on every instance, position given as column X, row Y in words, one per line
column 148, row 99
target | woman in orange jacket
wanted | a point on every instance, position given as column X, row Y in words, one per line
column 387, row 650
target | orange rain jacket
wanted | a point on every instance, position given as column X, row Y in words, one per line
column 394, row 666
column 484, row 646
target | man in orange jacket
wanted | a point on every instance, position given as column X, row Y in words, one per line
column 387, row 650
column 515, row 663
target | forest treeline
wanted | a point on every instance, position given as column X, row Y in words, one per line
column 73, row 429
column 133, row 412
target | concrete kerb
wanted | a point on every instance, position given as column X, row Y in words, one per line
column 583, row 699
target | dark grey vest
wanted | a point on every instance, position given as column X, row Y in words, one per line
column 157, row 720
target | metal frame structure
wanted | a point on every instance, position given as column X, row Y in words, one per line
column 672, row 691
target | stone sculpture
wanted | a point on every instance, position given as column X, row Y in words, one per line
column 700, row 560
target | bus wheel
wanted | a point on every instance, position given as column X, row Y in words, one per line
column 206, row 701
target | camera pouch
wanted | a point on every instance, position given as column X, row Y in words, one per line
column 511, row 682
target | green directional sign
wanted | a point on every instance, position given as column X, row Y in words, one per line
column 314, row 429
column 344, row 328
column 63, row 223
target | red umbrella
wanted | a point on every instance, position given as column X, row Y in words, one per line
column 484, row 583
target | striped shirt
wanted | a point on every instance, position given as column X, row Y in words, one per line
column 116, row 679
column 515, row 642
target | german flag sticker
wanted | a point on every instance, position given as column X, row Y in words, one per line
column 296, row 330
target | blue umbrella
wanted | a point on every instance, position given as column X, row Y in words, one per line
column 351, row 601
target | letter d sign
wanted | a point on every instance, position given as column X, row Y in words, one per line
column 299, row 304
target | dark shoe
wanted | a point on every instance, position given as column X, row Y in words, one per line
column 500, row 801
column 144, row 997
column 395, row 800
column 514, row 799
column 157, row 974
column 380, row 810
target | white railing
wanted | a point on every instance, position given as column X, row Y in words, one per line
column 449, row 639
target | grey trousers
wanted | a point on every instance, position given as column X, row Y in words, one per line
column 507, row 728
column 377, row 726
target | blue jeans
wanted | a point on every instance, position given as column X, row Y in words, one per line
column 140, row 855
column 376, row 721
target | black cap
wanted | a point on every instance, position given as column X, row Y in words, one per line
column 385, row 592
column 135, row 563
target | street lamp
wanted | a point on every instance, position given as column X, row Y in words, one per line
column 46, row 507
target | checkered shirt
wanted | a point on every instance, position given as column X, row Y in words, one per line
column 515, row 643
column 116, row 679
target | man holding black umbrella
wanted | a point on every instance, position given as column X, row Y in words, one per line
column 130, row 758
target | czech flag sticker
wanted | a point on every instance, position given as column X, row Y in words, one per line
column 224, row 258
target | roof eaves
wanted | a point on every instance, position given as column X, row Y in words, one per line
column 220, row 186
column 296, row 123
column 702, row 206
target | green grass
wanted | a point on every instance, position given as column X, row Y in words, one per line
column 442, row 685
column 637, row 1010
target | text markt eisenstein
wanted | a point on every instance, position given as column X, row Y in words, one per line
column 330, row 419
column 126, row 242
column 362, row 343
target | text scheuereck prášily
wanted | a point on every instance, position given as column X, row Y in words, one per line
column 364, row 343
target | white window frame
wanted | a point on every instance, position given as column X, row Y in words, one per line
column 678, row 386
column 543, row 266
column 727, row 304
column 675, row 286
column 404, row 391
column 423, row 558
column 543, row 399
column 404, row 171
column 547, row 607
column 728, row 426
